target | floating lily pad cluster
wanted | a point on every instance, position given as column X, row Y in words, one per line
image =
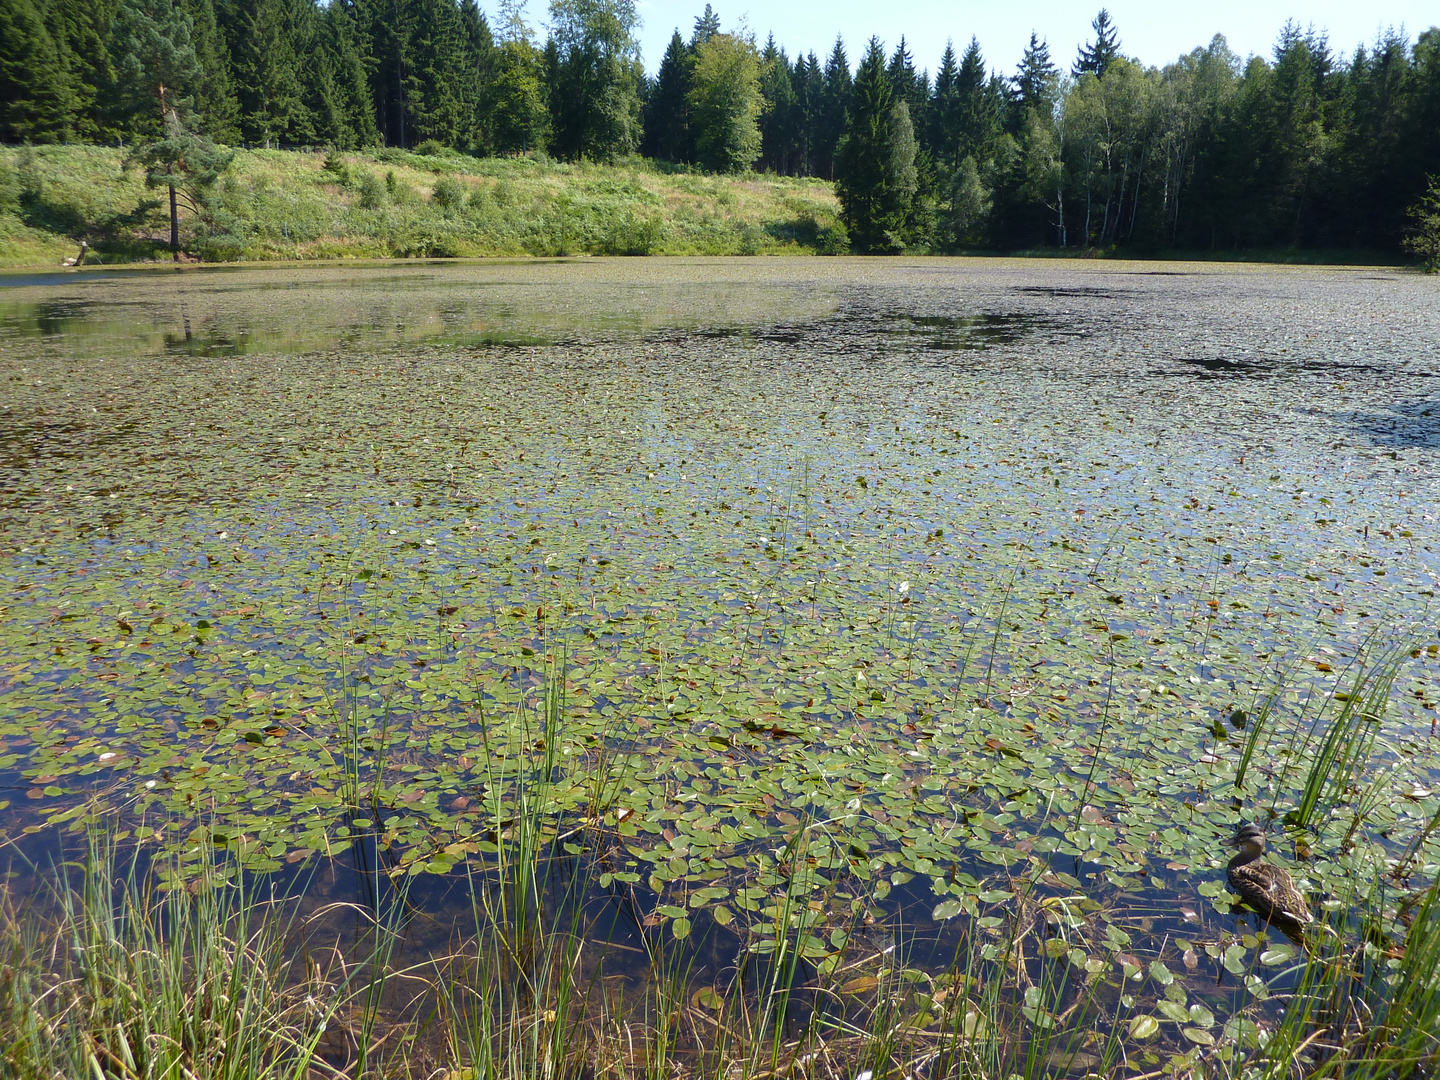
column 966, row 584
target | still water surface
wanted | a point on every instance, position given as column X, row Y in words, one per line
column 965, row 570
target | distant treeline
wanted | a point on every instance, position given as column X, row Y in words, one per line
column 1307, row 148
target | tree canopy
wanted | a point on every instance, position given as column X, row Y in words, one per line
column 1305, row 146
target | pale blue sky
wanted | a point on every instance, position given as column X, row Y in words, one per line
column 1155, row 33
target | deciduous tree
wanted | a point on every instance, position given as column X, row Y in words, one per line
column 725, row 102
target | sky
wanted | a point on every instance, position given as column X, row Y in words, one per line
column 1154, row 33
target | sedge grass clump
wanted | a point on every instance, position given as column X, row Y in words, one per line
column 117, row 976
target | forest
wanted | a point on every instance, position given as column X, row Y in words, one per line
column 1304, row 149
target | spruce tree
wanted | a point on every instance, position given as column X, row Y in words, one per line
column 667, row 112
column 809, row 99
column 834, row 105
column 910, row 86
column 977, row 106
column 217, row 111
column 1096, row 57
column 707, row 25
column 779, row 136
column 943, row 113
column 385, row 28
column 267, row 59
column 1034, row 84
column 476, row 70
column 875, row 161
column 353, row 122
column 36, row 99
column 80, row 29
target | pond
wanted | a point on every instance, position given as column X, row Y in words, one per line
column 864, row 613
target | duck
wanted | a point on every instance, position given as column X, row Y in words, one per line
column 1268, row 889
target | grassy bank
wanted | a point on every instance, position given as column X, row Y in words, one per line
column 276, row 204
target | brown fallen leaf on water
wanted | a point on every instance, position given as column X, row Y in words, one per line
column 1190, row 959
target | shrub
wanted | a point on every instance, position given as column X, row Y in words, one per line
column 372, row 191
column 834, row 240
column 1424, row 238
column 427, row 241
column 631, row 235
column 401, row 193
column 9, row 190
column 449, row 194
column 432, row 148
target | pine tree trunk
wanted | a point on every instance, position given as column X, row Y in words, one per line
column 174, row 226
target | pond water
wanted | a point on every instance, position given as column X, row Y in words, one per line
column 925, row 590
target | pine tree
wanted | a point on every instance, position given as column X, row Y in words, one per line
column 155, row 60
column 186, row 165
column 875, row 161
column 667, row 112
column 1096, row 57
column 157, row 70
column 36, row 97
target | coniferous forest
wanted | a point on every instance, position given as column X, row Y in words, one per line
column 1305, row 148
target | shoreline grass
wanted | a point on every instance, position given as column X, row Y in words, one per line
column 327, row 206
column 276, row 205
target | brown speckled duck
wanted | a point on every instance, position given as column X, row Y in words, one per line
column 1267, row 889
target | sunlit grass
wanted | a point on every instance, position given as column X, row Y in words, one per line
column 276, row 204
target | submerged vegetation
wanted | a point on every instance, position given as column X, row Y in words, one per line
column 274, row 204
column 735, row 669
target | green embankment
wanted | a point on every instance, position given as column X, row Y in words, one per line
column 277, row 204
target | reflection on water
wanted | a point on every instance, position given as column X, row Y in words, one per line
column 227, row 311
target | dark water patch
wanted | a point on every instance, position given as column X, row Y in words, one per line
column 1413, row 424
column 1212, row 366
column 1063, row 292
